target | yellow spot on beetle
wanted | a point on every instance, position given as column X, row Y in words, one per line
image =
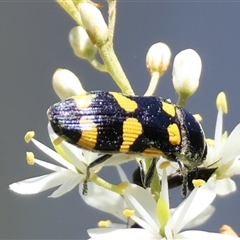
column 169, row 108
column 30, row 158
column 83, row 100
column 88, row 138
column 28, row 136
column 124, row 102
column 174, row 134
column 131, row 130
column 152, row 152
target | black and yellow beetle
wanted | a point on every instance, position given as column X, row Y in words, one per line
column 110, row 123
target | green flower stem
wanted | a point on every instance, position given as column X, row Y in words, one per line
column 182, row 99
column 101, row 182
column 114, row 68
column 111, row 18
column 71, row 9
column 155, row 77
column 98, row 65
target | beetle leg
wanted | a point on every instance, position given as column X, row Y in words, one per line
column 96, row 162
column 149, row 175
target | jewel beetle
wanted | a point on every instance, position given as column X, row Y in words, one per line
column 110, row 123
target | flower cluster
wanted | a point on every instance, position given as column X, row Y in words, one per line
column 145, row 212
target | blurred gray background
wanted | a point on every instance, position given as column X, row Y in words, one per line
column 34, row 42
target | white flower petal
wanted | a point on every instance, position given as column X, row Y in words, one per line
column 126, row 234
column 225, row 186
column 201, row 218
column 75, row 154
column 117, row 159
column 235, row 168
column 144, row 204
column 199, row 199
column 104, row 200
column 231, row 148
column 145, row 225
column 40, row 184
column 67, row 186
column 49, row 166
column 89, row 156
column 218, row 131
column 200, row 235
column 210, row 159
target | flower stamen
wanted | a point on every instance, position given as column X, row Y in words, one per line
column 122, row 185
column 57, row 141
column 164, row 164
column 128, row 212
column 30, row 158
column 104, row 224
column 198, row 182
column 28, row 136
column 210, row 142
column 221, row 102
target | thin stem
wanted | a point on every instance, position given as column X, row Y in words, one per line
column 182, row 99
column 112, row 11
column 71, row 9
column 114, row 68
column 98, row 65
column 155, row 77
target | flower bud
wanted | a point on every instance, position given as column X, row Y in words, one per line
column 186, row 72
column 158, row 58
column 93, row 22
column 81, row 43
column 66, row 84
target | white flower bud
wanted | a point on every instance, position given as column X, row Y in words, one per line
column 66, row 84
column 186, row 72
column 158, row 58
column 93, row 22
column 81, row 43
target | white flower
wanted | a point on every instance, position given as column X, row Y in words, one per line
column 156, row 220
column 74, row 161
column 224, row 153
column 72, row 172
